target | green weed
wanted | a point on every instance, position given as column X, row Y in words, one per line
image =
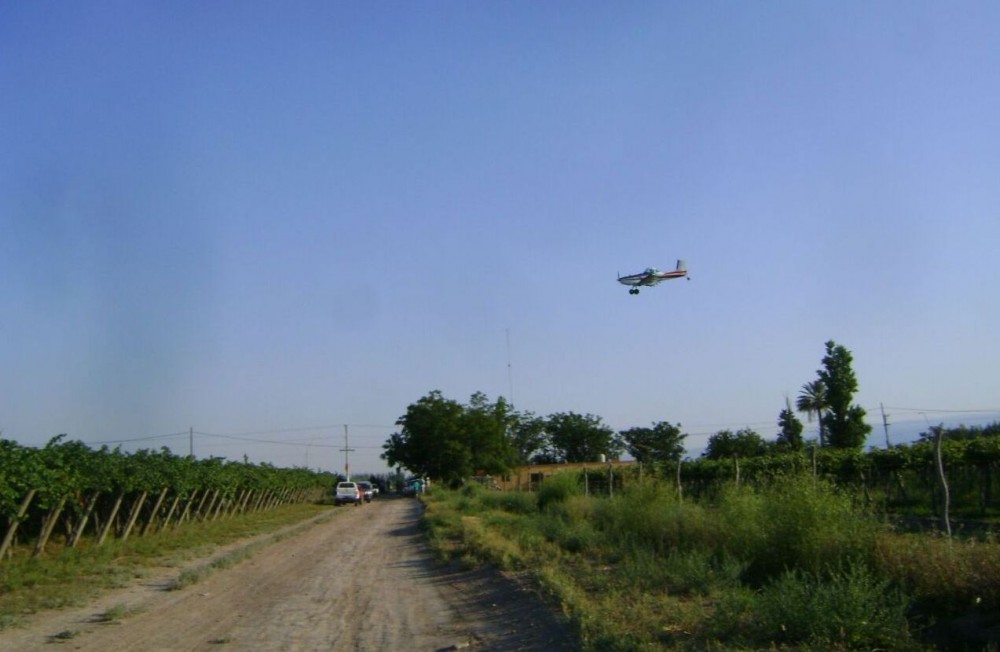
column 788, row 564
column 792, row 523
column 559, row 487
column 849, row 609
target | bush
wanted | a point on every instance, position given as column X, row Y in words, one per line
column 652, row 518
column 688, row 572
column 849, row 609
column 515, row 502
column 946, row 577
column 794, row 524
column 570, row 535
column 557, row 488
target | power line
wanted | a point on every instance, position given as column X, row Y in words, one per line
column 304, row 429
column 272, row 441
column 135, row 439
column 976, row 411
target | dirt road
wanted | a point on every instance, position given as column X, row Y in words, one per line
column 362, row 580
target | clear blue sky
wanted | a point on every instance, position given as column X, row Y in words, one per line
column 267, row 220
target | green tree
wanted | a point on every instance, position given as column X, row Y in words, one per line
column 812, row 401
column 580, row 438
column 447, row 441
column 790, row 434
column 664, row 442
column 845, row 423
column 432, row 440
column 743, row 443
column 487, row 427
column 527, row 434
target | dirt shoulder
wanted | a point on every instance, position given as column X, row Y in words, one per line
column 362, row 580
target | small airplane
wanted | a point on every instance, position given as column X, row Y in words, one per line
column 652, row 276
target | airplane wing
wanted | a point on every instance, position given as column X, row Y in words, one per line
column 634, row 279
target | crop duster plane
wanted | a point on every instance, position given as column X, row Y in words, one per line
column 652, row 276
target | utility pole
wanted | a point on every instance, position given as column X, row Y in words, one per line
column 346, row 450
column 191, row 442
column 885, row 425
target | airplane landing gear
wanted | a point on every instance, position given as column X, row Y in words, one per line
column 634, row 291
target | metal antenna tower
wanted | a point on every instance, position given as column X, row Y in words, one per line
column 510, row 375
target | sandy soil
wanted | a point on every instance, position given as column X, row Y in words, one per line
column 362, row 580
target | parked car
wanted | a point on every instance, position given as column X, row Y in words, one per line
column 347, row 492
column 367, row 491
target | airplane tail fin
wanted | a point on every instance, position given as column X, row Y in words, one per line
column 681, row 266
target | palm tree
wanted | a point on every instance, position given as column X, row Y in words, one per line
column 812, row 400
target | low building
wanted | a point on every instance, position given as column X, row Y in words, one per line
column 529, row 478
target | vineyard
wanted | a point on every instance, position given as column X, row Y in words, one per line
column 67, row 491
column 907, row 481
column 901, row 480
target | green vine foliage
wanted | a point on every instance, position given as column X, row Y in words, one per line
column 71, row 469
column 901, row 479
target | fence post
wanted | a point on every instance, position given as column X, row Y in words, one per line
column 15, row 522
column 944, row 483
column 680, row 493
column 48, row 525
column 78, row 532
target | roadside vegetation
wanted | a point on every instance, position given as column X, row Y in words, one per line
column 66, row 577
column 791, row 563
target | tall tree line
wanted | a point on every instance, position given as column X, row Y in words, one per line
column 449, row 441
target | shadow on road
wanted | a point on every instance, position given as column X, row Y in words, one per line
column 503, row 613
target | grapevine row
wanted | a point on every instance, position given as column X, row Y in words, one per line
column 902, row 479
column 67, row 488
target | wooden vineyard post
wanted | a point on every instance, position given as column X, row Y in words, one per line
column 220, row 507
column 170, row 512
column 48, row 525
column 190, row 513
column 187, row 507
column 111, row 518
column 247, row 495
column 156, row 509
column 203, row 516
column 134, row 514
column 15, row 522
column 78, row 532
